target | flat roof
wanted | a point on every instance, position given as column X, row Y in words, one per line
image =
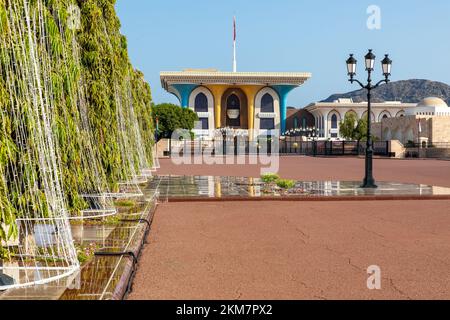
column 335, row 105
column 211, row 76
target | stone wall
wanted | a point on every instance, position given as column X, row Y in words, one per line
column 440, row 129
column 162, row 147
column 404, row 129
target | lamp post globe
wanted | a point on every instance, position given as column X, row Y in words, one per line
column 386, row 65
column 370, row 60
column 351, row 66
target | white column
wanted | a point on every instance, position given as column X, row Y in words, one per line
column 317, row 117
column 341, row 118
column 325, row 127
column 321, row 124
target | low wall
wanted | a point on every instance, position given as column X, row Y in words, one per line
column 162, row 147
column 437, row 153
column 397, row 149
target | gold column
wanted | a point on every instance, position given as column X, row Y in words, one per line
column 251, row 92
column 217, row 91
column 217, row 189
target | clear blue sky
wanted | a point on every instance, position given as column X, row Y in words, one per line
column 287, row 35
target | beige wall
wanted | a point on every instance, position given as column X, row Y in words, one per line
column 162, row 145
column 434, row 129
column 397, row 148
column 440, row 129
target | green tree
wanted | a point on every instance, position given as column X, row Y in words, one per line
column 347, row 128
column 171, row 117
column 361, row 129
column 353, row 129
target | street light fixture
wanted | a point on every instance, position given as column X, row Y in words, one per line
column 386, row 64
column 351, row 66
column 370, row 60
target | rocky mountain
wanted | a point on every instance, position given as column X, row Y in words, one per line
column 408, row 91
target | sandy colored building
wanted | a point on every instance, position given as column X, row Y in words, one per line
column 428, row 123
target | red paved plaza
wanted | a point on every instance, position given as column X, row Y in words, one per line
column 301, row 250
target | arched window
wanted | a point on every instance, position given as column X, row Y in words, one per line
column 201, row 103
column 372, row 116
column 334, row 121
column 401, row 113
column 304, row 123
column 267, row 103
column 233, row 111
column 295, row 122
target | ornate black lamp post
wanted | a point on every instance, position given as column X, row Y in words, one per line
column 386, row 63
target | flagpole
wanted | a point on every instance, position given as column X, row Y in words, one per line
column 234, row 45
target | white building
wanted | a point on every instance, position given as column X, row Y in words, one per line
column 328, row 115
column 430, row 107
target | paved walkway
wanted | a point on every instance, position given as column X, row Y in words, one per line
column 308, row 250
column 269, row 250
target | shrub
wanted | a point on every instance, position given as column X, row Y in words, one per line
column 269, row 177
column 286, row 184
column 124, row 203
column 85, row 253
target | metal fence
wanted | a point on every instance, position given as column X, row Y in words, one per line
column 222, row 147
column 432, row 150
column 332, row 148
column 283, row 146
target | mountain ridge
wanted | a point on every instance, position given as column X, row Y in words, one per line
column 407, row 91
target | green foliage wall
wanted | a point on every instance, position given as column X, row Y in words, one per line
column 108, row 74
column 88, row 66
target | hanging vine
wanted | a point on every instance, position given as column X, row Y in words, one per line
column 83, row 67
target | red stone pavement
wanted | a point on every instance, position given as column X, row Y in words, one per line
column 301, row 250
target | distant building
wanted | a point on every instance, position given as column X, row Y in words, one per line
column 426, row 123
column 244, row 101
column 299, row 119
column 328, row 115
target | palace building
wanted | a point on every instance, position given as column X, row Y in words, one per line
column 328, row 115
column 426, row 122
column 245, row 101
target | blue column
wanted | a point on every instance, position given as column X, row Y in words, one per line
column 283, row 91
column 184, row 91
